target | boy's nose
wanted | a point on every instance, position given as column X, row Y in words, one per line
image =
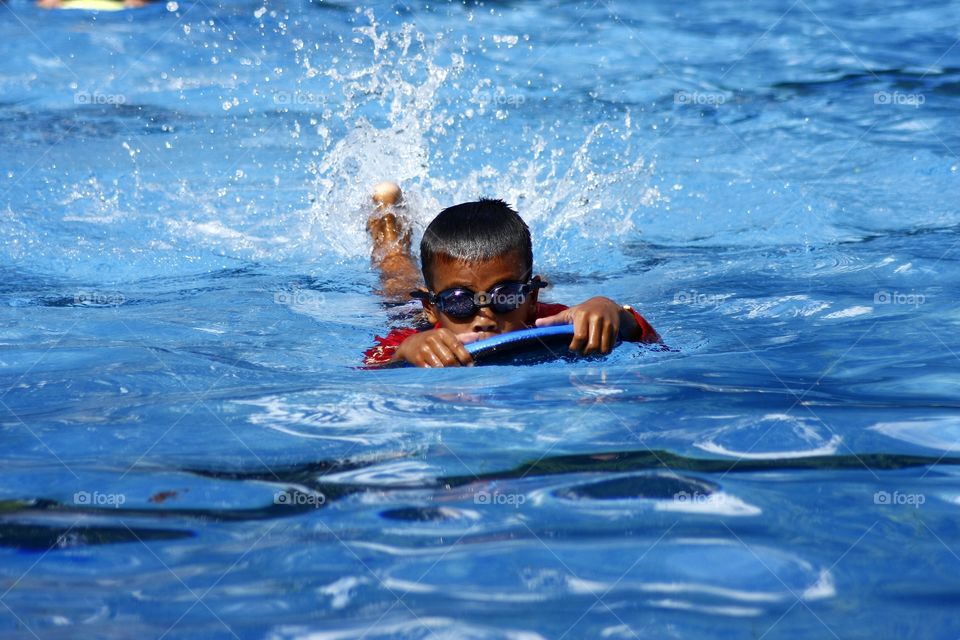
column 484, row 320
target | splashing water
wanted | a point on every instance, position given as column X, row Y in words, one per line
column 389, row 106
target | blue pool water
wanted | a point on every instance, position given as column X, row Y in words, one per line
column 189, row 449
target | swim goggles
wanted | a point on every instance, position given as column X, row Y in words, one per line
column 461, row 303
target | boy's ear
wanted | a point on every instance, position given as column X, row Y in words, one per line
column 535, row 294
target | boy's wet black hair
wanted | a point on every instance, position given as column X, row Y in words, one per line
column 475, row 232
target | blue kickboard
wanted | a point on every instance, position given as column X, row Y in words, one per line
column 527, row 346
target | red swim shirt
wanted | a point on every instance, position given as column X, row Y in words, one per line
column 386, row 347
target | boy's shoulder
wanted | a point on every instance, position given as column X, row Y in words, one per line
column 547, row 309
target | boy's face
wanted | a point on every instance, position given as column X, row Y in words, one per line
column 480, row 277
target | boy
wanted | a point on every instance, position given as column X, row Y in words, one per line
column 477, row 262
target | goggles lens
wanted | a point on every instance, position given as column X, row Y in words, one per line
column 462, row 303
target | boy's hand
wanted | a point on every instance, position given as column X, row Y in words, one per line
column 433, row 348
column 596, row 325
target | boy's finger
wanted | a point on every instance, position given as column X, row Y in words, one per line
column 581, row 331
column 593, row 341
column 608, row 333
column 443, row 352
column 561, row 318
column 454, row 343
column 463, row 355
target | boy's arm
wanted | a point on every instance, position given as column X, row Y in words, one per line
column 598, row 323
column 433, row 348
